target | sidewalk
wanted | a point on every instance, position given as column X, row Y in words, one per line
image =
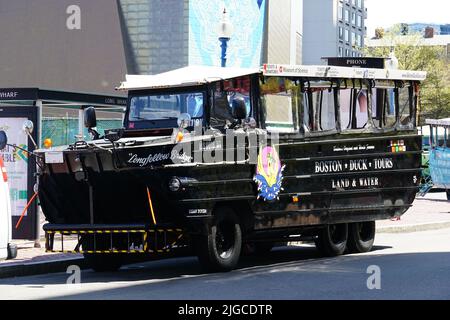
column 428, row 213
column 34, row 261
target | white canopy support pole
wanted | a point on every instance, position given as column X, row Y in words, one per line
column 39, row 106
column 81, row 123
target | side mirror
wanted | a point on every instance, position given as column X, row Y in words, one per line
column 3, row 140
column 239, row 109
column 90, row 118
column 28, row 127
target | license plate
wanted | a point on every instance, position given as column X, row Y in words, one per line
column 54, row 157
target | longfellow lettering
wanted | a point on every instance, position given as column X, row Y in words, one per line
column 152, row 158
column 159, row 157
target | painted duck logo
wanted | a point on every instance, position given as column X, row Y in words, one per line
column 269, row 174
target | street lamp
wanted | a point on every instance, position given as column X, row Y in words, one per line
column 225, row 32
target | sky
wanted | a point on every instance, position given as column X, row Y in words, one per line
column 385, row 13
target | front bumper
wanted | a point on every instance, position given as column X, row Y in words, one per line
column 113, row 239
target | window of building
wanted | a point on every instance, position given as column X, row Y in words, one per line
column 359, row 3
column 353, row 2
column 347, row 35
column 347, row 15
column 319, row 107
column 347, row 53
column 358, row 21
column 353, row 18
column 353, row 39
column 359, row 40
column 280, row 99
column 341, row 33
column 341, row 52
column 340, row 12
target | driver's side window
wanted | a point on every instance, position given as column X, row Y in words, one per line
column 224, row 93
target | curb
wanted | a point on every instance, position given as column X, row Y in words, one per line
column 36, row 268
column 414, row 227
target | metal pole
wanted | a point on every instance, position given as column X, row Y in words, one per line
column 39, row 122
column 81, row 122
column 37, row 242
column 224, row 47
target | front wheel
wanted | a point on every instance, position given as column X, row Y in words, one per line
column 103, row 262
column 220, row 249
column 361, row 236
column 100, row 262
column 332, row 240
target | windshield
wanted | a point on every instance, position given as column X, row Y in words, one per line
column 166, row 107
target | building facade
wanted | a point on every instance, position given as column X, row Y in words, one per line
column 283, row 32
column 165, row 35
column 333, row 28
column 439, row 29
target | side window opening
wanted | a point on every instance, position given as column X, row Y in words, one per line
column 392, row 105
column 224, row 92
column 354, row 105
column 389, row 118
column 280, row 103
column 319, row 107
column 406, row 104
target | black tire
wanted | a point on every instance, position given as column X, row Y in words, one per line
column 332, row 240
column 263, row 248
column 256, row 248
column 103, row 262
column 361, row 236
column 219, row 251
column 447, row 192
column 100, row 262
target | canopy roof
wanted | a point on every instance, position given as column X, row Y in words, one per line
column 439, row 122
column 198, row 75
column 187, row 76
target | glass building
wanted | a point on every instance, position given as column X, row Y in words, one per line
column 169, row 34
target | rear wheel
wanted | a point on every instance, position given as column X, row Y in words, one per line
column 262, row 248
column 220, row 249
column 361, row 236
column 257, row 248
column 332, row 240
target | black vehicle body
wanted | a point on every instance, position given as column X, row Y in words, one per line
column 338, row 176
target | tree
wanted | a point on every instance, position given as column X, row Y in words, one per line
column 379, row 33
column 412, row 54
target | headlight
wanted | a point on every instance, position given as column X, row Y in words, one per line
column 174, row 184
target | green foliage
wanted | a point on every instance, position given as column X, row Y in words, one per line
column 413, row 55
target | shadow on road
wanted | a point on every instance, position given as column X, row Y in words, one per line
column 181, row 267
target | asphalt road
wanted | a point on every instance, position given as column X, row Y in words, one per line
column 412, row 266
